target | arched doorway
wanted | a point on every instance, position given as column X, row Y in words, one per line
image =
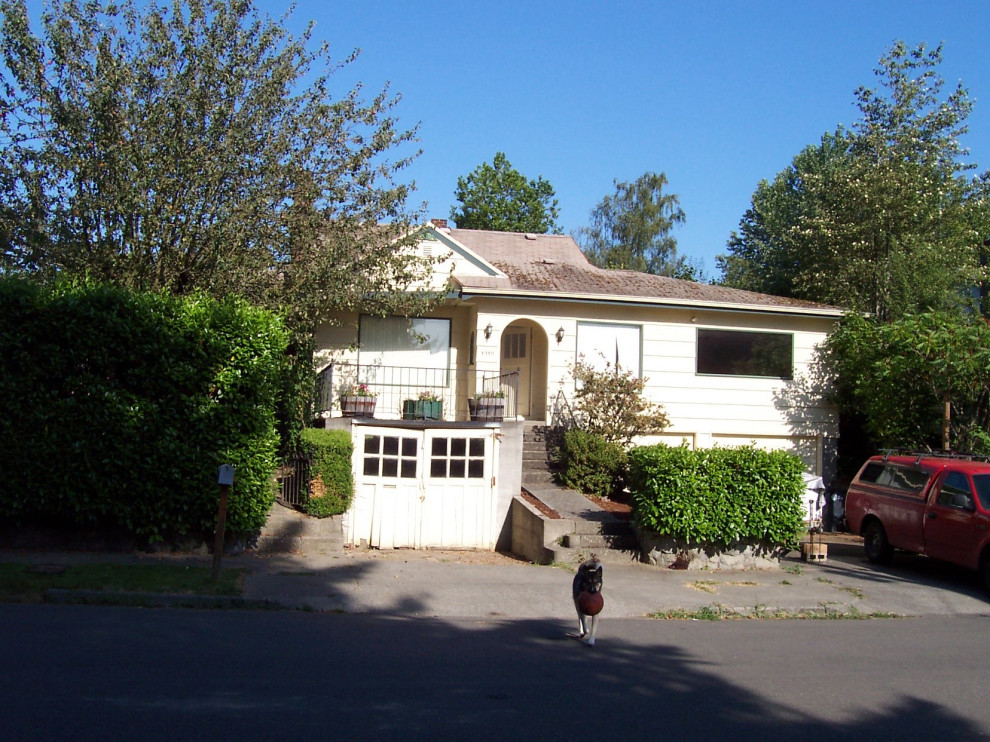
column 524, row 351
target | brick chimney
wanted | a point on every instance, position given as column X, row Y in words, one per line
column 439, row 223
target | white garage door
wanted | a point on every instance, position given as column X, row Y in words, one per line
column 424, row 488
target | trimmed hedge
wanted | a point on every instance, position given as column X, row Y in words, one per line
column 330, row 451
column 117, row 408
column 592, row 465
column 718, row 495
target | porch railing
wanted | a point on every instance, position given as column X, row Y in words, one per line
column 395, row 387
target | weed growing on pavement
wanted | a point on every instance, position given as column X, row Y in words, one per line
column 718, row 612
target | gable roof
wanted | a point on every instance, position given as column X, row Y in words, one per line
column 553, row 266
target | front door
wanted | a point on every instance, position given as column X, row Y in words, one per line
column 517, row 355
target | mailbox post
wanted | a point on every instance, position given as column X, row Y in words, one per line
column 225, row 478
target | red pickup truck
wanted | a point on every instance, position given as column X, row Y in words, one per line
column 931, row 504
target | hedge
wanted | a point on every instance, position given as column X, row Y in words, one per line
column 719, row 495
column 330, row 451
column 117, row 408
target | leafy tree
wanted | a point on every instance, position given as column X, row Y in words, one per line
column 498, row 197
column 631, row 229
column 198, row 146
column 922, row 381
column 880, row 219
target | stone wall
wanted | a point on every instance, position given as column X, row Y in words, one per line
column 666, row 551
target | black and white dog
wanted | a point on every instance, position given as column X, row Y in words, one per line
column 587, row 580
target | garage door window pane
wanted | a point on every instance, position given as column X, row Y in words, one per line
column 457, row 458
column 382, row 457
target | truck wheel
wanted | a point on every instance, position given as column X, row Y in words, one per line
column 985, row 573
column 875, row 543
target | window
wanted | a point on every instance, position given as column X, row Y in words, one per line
column 896, row 477
column 389, row 456
column 457, row 458
column 982, row 482
column 405, row 342
column 955, row 492
column 600, row 344
column 739, row 353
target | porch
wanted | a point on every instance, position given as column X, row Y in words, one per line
column 410, row 393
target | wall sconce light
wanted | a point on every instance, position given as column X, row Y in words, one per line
column 488, row 330
column 560, row 334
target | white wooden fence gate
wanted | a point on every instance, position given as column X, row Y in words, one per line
column 424, row 488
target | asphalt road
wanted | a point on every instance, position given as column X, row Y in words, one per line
column 104, row 673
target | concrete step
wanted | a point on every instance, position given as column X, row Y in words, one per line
column 538, row 476
column 288, row 530
column 566, row 555
column 598, row 541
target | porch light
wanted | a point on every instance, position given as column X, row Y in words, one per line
column 488, row 330
column 560, row 335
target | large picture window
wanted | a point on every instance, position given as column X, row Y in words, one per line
column 600, row 344
column 405, row 343
column 740, row 353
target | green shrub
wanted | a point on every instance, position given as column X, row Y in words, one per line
column 591, row 464
column 717, row 495
column 117, row 408
column 331, row 452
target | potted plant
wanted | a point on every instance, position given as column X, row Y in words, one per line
column 357, row 400
column 488, row 406
column 427, row 406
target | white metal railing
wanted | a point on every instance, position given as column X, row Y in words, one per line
column 396, row 387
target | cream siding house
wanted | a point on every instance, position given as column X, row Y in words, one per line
column 729, row 366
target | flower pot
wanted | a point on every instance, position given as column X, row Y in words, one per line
column 354, row 406
column 487, row 409
column 422, row 409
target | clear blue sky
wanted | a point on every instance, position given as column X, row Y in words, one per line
column 718, row 95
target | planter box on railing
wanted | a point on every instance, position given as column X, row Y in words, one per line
column 487, row 409
column 422, row 409
column 354, row 406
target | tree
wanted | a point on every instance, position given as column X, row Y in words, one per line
column 631, row 229
column 198, row 147
column 880, row 219
column 922, row 381
column 498, row 197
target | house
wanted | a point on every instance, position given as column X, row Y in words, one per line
column 729, row 366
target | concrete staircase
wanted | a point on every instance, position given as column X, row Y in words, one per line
column 592, row 529
column 289, row 531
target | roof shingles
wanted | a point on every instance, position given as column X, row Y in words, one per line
column 554, row 264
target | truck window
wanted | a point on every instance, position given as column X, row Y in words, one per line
column 955, row 492
column 982, row 482
column 871, row 473
column 911, row 481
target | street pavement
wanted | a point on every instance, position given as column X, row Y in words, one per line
column 447, row 584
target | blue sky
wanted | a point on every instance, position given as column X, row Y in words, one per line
column 718, row 95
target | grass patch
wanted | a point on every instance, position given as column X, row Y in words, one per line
column 25, row 583
column 718, row 612
column 705, row 586
column 794, row 569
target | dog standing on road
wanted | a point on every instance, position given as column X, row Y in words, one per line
column 587, row 580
